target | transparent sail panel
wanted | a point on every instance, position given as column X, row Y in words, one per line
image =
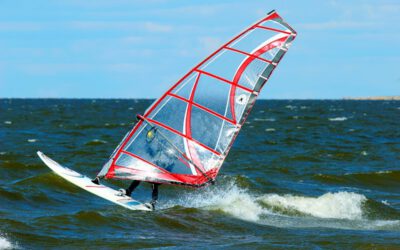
column 172, row 114
column 211, row 130
column 224, row 64
column 185, row 88
column 250, row 74
column 254, row 39
column 218, row 101
column 241, row 100
column 270, row 54
column 131, row 162
column 161, row 148
column 157, row 107
column 275, row 25
column 208, row 159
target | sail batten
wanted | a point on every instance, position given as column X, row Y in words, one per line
column 186, row 134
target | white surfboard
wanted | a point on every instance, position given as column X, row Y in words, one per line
column 86, row 183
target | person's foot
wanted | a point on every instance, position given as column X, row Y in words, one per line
column 150, row 206
column 121, row 192
column 96, row 181
column 153, row 204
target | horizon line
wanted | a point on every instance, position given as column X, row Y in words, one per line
column 393, row 98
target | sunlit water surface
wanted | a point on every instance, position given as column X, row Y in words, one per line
column 302, row 174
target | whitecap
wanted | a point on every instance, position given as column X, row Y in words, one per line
column 270, row 129
column 97, row 141
column 32, row 140
column 229, row 199
column 265, row 119
column 8, row 122
column 340, row 205
column 338, row 119
column 384, row 172
column 331, row 210
column 5, row 243
column 364, row 153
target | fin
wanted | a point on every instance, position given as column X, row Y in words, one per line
column 96, row 180
column 121, row 192
column 150, row 205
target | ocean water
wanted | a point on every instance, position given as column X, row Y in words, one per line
column 302, row 174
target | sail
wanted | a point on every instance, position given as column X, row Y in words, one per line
column 185, row 135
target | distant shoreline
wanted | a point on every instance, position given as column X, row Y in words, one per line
column 374, row 98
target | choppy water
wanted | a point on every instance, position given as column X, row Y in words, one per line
column 302, row 174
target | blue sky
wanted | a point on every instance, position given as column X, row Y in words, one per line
column 137, row 49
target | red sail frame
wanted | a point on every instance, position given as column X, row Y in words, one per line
column 202, row 175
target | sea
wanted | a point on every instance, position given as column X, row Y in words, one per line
column 302, row 174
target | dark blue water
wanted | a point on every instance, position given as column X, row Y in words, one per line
column 302, row 174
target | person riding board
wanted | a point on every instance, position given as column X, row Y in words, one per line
column 133, row 186
column 155, row 150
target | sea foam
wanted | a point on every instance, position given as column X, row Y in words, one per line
column 332, row 210
column 340, row 205
column 229, row 199
column 338, row 119
column 5, row 244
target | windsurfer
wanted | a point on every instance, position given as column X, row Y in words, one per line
column 133, row 186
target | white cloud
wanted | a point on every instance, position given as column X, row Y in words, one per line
column 20, row 26
column 53, row 69
column 337, row 25
column 120, row 25
column 204, row 10
column 156, row 27
column 122, row 67
column 101, row 25
column 132, row 40
column 108, row 4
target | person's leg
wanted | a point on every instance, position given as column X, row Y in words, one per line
column 132, row 187
column 154, row 194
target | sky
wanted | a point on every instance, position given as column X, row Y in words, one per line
column 138, row 49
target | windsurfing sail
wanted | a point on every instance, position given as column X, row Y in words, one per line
column 186, row 134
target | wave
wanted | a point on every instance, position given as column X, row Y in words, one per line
column 338, row 119
column 381, row 179
column 95, row 142
column 229, row 199
column 5, row 243
column 340, row 205
column 264, row 119
column 332, row 210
